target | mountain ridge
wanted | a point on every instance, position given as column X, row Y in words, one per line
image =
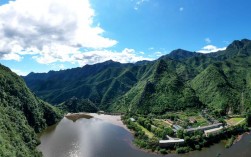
column 169, row 83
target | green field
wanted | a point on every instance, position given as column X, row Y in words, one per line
column 235, row 121
column 161, row 122
column 185, row 116
column 148, row 133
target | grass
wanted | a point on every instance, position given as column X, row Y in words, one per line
column 200, row 121
column 161, row 122
column 148, row 133
column 235, row 121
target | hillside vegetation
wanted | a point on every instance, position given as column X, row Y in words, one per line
column 218, row 81
column 22, row 115
column 75, row 105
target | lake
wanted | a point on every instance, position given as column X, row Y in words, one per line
column 97, row 138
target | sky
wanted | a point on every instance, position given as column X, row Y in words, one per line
column 39, row 36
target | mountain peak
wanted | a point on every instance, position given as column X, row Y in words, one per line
column 108, row 62
column 238, row 44
column 180, row 51
column 181, row 54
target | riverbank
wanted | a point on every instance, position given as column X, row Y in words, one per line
column 76, row 116
column 151, row 144
column 61, row 140
column 113, row 119
column 239, row 137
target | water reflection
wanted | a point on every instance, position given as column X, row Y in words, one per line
column 96, row 138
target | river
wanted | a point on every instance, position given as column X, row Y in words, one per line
column 97, row 138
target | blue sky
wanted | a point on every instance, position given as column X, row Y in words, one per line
column 60, row 34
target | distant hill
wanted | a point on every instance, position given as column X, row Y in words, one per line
column 22, row 115
column 220, row 81
column 180, row 54
column 75, row 105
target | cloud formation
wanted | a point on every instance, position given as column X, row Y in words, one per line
column 20, row 72
column 92, row 57
column 50, row 30
column 210, row 49
column 208, row 40
column 138, row 3
column 158, row 53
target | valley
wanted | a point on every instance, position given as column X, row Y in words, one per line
column 217, row 81
column 181, row 102
column 99, row 136
column 125, row 78
column 184, row 101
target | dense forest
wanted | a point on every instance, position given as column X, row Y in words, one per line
column 75, row 105
column 22, row 115
column 219, row 81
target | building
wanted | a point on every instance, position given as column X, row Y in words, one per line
column 101, row 112
column 214, row 131
column 171, row 142
column 132, row 119
column 203, row 128
column 177, row 127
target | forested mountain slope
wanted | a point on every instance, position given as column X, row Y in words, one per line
column 22, row 115
column 182, row 79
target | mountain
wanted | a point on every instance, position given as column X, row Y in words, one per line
column 101, row 83
column 238, row 48
column 75, row 105
column 165, row 89
column 219, row 81
column 22, row 115
column 180, row 54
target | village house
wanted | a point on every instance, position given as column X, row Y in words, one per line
column 203, row 128
column 214, row 131
column 171, row 142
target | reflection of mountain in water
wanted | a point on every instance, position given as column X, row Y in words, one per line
column 76, row 116
column 97, row 138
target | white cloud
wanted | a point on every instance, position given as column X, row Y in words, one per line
column 19, row 72
column 138, row 3
column 181, row 8
column 61, row 66
column 208, row 40
column 49, row 29
column 158, row 54
column 210, row 48
column 11, row 56
column 92, row 57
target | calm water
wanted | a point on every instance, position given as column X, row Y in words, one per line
column 96, row 138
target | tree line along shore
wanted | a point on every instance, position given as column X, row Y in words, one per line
column 181, row 132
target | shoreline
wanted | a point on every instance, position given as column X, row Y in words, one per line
column 116, row 120
column 239, row 137
column 113, row 119
column 76, row 116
